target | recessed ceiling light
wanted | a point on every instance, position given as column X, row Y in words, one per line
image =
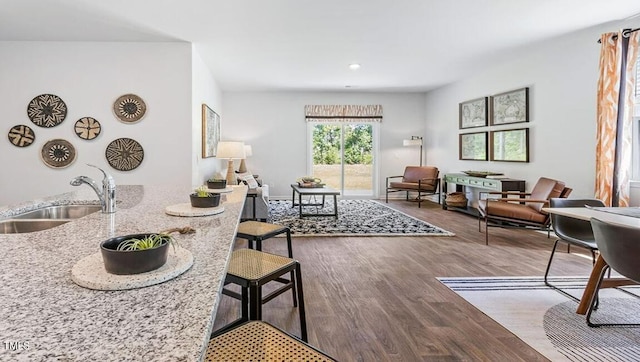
column 354, row 66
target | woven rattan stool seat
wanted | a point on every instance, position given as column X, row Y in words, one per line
column 256, row 232
column 260, row 341
column 253, row 265
column 257, row 228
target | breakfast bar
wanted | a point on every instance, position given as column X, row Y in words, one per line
column 46, row 316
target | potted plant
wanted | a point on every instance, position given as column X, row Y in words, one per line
column 139, row 253
column 202, row 198
column 216, row 183
column 135, row 254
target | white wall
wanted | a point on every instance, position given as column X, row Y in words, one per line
column 274, row 125
column 204, row 90
column 562, row 77
column 89, row 77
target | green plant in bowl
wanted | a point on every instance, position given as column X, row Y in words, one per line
column 203, row 198
column 216, row 183
column 149, row 242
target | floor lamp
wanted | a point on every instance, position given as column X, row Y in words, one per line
column 231, row 151
column 414, row 141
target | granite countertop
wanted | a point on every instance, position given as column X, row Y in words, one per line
column 46, row 316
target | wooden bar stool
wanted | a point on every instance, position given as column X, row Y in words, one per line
column 257, row 231
column 251, row 269
column 260, row 341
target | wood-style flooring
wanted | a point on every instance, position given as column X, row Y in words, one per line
column 377, row 298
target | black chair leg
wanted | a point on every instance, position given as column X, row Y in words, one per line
column 291, row 276
column 546, row 273
column 301, row 311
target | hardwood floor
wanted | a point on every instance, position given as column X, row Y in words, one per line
column 377, row 298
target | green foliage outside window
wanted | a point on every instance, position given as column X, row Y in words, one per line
column 358, row 141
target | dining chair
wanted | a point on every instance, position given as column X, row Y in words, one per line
column 571, row 231
column 619, row 247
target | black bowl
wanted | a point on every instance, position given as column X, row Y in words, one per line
column 213, row 200
column 132, row 261
column 217, row 184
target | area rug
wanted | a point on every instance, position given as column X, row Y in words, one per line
column 546, row 319
column 355, row 218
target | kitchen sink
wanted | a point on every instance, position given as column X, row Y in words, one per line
column 59, row 212
column 45, row 218
column 27, row 226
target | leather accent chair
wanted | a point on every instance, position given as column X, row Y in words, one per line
column 421, row 179
column 619, row 247
column 573, row 232
column 520, row 209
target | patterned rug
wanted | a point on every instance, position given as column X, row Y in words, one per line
column 355, row 218
column 546, row 319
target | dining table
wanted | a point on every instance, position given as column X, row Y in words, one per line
column 626, row 216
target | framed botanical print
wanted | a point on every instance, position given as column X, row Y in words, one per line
column 210, row 131
column 510, row 107
column 473, row 146
column 511, row 145
column 473, row 113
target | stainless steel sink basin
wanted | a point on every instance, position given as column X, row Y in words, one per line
column 45, row 218
column 59, row 212
column 27, row 226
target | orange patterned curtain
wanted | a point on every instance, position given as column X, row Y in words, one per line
column 614, row 115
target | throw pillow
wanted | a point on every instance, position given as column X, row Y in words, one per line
column 248, row 179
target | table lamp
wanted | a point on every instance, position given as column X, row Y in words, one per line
column 230, row 150
column 414, row 141
column 247, row 152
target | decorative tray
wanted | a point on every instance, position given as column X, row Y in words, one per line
column 220, row 191
column 186, row 209
column 90, row 273
column 481, row 173
column 310, row 185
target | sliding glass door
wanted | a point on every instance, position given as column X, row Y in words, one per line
column 343, row 156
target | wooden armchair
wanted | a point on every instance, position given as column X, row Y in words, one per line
column 520, row 209
column 421, row 179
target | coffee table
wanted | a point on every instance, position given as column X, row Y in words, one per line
column 314, row 191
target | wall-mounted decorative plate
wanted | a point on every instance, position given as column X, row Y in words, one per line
column 21, row 136
column 47, row 110
column 129, row 108
column 87, row 128
column 124, row 154
column 58, row 153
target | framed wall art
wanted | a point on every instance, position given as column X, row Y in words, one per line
column 510, row 107
column 511, row 145
column 210, row 131
column 473, row 113
column 473, row 146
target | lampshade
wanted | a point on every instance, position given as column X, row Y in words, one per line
column 412, row 142
column 248, row 151
column 230, row 150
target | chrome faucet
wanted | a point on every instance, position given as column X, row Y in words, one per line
column 107, row 194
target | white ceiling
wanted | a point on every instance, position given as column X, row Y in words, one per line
column 402, row 45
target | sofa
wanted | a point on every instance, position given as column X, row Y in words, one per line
column 261, row 197
column 258, row 193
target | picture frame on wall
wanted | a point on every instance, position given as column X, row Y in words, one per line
column 510, row 145
column 473, row 146
column 510, row 107
column 210, row 131
column 473, row 113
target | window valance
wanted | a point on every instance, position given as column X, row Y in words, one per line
column 343, row 113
